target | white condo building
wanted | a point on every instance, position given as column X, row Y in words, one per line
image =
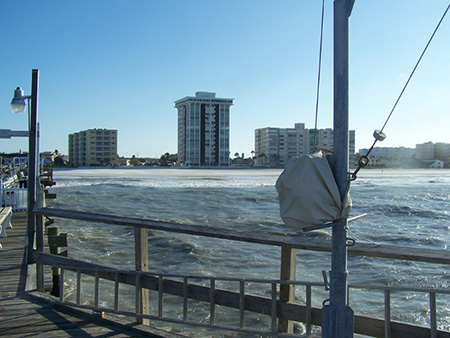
column 274, row 146
column 389, row 152
column 203, row 130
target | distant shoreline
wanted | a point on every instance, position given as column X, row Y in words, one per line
column 164, row 168
column 183, row 171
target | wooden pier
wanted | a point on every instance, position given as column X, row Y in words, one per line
column 27, row 310
column 26, row 313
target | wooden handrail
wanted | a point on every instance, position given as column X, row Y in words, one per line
column 289, row 240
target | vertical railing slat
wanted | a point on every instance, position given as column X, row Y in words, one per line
column 116, row 291
column 40, row 248
column 185, row 297
column 97, row 288
column 160, row 295
column 308, row 310
column 241, row 304
column 433, row 320
column 274, row 308
column 138, row 293
column 212, row 302
column 61, row 285
column 387, row 313
column 78, row 286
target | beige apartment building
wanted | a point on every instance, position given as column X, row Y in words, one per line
column 93, row 147
column 274, row 146
column 433, row 151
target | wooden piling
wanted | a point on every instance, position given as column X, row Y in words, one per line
column 56, row 241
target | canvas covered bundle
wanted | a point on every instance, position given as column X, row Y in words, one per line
column 308, row 194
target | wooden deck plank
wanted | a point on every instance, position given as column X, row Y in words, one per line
column 22, row 314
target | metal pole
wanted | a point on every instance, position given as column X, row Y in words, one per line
column 32, row 165
column 337, row 317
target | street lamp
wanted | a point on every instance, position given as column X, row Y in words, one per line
column 18, row 102
column 18, row 105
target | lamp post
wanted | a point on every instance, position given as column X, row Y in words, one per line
column 18, row 105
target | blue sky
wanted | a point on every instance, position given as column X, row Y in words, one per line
column 121, row 65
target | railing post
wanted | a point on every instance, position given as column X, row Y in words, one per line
column 287, row 292
column 141, row 262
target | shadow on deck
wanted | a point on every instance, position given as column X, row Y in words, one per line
column 26, row 313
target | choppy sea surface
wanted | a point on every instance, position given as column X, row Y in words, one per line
column 407, row 208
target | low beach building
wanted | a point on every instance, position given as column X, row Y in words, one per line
column 424, row 155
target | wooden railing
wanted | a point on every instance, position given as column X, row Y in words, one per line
column 282, row 309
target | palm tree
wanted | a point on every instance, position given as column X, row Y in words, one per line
column 275, row 160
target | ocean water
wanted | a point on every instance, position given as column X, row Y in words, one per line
column 404, row 207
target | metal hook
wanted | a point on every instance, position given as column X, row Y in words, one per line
column 350, row 241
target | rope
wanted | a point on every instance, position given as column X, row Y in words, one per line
column 415, row 67
column 355, row 237
column 364, row 159
column 318, row 74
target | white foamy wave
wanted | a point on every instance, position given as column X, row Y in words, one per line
column 182, row 179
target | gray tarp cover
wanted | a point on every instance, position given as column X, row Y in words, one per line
column 308, row 193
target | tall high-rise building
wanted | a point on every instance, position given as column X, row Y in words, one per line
column 203, row 130
column 93, row 147
column 274, row 146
